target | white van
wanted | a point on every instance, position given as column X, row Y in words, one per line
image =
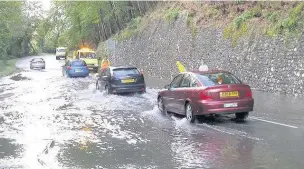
column 61, row 52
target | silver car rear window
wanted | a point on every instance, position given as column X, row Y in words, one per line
column 37, row 60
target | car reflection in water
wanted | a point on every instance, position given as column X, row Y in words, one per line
column 237, row 154
column 212, row 150
column 84, row 142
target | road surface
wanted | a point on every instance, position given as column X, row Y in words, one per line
column 48, row 121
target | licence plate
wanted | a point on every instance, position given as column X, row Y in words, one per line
column 229, row 94
column 78, row 70
column 128, row 80
column 230, row 105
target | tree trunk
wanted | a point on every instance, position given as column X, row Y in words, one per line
column 34, row 51
column 130, row 11
column 110, row 28
column 103, row 29
column 80, row 28
column 112, row 5
column 135, row 8
column 147, row 5
column 139, row 8
column 26, row 46
column 98, row 32
column 143, row 6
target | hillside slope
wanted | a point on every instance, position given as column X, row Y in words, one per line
column 268, row 63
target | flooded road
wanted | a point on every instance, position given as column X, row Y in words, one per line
column 49, row 121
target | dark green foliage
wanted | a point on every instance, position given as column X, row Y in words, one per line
column 86, row 23
column 18, row 23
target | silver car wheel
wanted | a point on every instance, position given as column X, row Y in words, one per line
column 189, row 113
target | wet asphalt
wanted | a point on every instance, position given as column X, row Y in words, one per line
column 49, row 121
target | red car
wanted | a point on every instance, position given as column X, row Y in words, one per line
column 206, row 93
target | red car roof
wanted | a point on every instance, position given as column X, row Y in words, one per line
column 209, row 71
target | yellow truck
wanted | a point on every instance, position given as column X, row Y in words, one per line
column 87, row 55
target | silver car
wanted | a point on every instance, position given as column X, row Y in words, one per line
column 37, row 63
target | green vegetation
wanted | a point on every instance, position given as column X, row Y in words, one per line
column 132, row 29
column 287, row 23
column 7, row 67
column 289, row 26
column 102, row 49
column 212, row 12
column 192, row 24
column 21, row 32
column 25, row 29
column 18, row 23
column 239, row 26
column 6, row 26
column 86, row 23
column 239, row 21
column 172, row 14
column 239, row 1
column 235, row 33
column 273, row 16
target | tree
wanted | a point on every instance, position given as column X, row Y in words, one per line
column 19, row 23
column 10, row 19
column 86, row 23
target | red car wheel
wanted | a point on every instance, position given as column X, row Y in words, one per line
column 189, row 113
column 160, row 104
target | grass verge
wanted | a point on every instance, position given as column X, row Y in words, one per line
column 7, row 67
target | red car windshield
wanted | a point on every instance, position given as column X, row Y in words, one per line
column 212, row 79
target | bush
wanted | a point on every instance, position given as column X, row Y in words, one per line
column 273, row 16
column 239, row 26
column 7, row 66
column 172, row 14
column 134, row 24
column 235, row 33
column 192, row 24
column 243, row 18
column 131, row 30
column 289, row 26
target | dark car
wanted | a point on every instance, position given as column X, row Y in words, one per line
column 75, row 68
column 206, row 93
column 121, row 80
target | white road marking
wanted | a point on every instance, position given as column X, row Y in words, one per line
column 281, row 124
